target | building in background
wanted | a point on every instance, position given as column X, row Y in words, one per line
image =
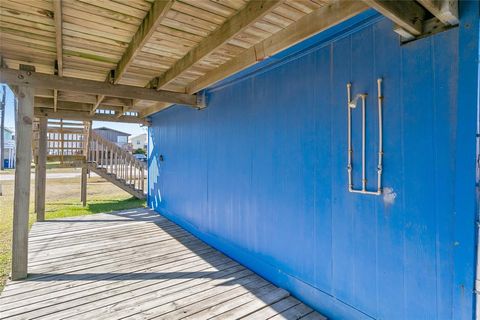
column 139, row 142
column 8, row 153
column 118, row 137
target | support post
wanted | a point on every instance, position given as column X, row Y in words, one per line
column 2, row 129
column 83, row 192
column 41, row 167
column 21, row 200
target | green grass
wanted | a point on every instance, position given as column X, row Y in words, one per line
column 64, row 209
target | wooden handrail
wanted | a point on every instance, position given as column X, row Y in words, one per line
column 116, row 161
column 77, row 142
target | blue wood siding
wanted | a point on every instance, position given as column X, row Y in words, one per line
column 261, row 173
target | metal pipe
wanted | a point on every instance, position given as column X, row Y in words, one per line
column 376, row 193
column 351, row 104
column 364, row 171
column 349, row 137
column 380, row 136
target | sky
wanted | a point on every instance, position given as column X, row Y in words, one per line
column 133, row 129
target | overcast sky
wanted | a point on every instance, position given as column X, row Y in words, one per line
column 133, row 129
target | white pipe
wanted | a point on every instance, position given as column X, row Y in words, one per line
column 376, row 193
column 349, row 134
column 364, row 171
column 380, row 136
column 351, row 104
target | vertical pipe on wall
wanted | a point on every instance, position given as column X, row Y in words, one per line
column 380, row 135
column 351, row 105
column 349, row 137
column 364, row 173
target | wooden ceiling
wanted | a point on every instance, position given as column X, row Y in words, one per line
column 181, row 46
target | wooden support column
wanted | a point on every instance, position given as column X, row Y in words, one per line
column 41, row 168
column 87, row 136
column 22, row 182
column 83, row 192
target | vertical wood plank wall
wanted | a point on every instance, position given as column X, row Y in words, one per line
column 261, row 174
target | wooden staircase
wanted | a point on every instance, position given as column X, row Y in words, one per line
column 66, row 141
column 74, row 144
column 116, row 165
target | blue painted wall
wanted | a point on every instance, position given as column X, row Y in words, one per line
column 261, row 173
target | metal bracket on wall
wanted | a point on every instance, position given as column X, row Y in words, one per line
column 352, row 104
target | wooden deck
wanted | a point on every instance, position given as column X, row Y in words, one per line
column 138, row 265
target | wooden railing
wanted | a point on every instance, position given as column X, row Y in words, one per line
column 66, row 140
column 116, row 161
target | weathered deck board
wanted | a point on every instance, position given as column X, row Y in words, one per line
column 136, row 264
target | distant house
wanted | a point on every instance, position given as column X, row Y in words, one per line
column 139, row 142
column 115, row 136
column 9, row 148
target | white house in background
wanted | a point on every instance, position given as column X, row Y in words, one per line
column 9, row 148
column 118, row 137
column 139, row 142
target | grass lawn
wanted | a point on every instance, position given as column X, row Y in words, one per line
column 62, row 200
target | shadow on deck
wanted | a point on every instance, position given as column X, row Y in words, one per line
column 136, row 264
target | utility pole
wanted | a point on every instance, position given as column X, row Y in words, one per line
column 2, row 129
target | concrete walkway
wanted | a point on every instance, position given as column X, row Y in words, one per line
column 53, row 175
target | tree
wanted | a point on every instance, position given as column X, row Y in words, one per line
column 139, row 151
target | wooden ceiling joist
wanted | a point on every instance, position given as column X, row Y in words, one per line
column 57, row 14
column 319, row 20
column 149, row 24
column 444, row 10
column 168, row 45
column 86, row 116
column 408, row 15
column 145, row 30
column 69, row 105
column 413, row 19
column 245, row 18
column 316, row 22
column 39, row 80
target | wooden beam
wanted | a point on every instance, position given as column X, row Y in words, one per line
column 86, row 116
column 109, row 101
column 91, row 99
column 445, row 10
column 57, row 9
column 146, row 29
column 407, row 14
column 83, row 185
column 55, row 99
column 311, row 24
column 68, row 105
column 97, row 104
column 118, row 114
column 21, row 200
column 46, row 81
column 41, row 168
column 253, row 11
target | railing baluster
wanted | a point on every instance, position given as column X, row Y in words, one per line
column 130, row 178
column 116, row 161
column 97, row 150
